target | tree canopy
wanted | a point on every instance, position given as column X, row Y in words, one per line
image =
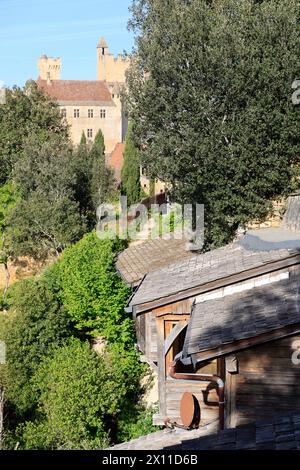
column 26, row 112
column 91, row 289
column 130, row 176
column 210, row 93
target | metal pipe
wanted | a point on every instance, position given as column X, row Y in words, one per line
column 204, row 378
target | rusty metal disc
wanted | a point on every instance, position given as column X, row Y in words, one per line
column 189, row 410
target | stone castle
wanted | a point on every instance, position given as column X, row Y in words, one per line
column 89, row 106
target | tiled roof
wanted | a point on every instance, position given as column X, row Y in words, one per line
column 201, row 269
column 115, row 161
column 76, row 90
column 166, row 437
column 244, row 315
column 150, row 255
column 280, row 433
column 257, row 249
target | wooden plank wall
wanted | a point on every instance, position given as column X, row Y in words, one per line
column 208, row 402
column 151, row 337
column 268, row 382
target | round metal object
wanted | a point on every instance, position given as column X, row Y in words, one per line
column 189, row 410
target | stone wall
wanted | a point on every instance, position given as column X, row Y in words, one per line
column 274, row 219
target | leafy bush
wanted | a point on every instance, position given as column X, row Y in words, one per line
column 76, row 390
column 92, row 291
column 136, row 423
column 36, row 323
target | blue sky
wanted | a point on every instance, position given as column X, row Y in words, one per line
column 69, row 29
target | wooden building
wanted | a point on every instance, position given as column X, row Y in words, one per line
column 224, row 327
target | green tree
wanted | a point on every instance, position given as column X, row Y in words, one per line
column 210, row 95
column 83, row 140
column 130, row 176
column 91, row 289
column 35, row 324
column 102, row 181
column 77, row 391
column 47, row 218
column 27, row 112
column 8, row 199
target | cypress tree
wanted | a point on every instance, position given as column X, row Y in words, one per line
column 130, row 176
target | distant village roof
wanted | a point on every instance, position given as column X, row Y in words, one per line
column 279, row 433
column 76, row 91
column 150, row 255
column 115, row 161
column 219, row 322
column 258, row 250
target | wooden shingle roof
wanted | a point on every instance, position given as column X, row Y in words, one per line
column 148, row 256
column 280, row 433
column 259, row 249
column 200, row 270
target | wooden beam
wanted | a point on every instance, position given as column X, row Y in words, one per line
column 161, row 365
column 181, row 325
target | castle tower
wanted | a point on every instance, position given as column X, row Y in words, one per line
column 110, row 68
column 49, row 68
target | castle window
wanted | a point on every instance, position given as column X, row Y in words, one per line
column 90, row 133
column 90, row 113
column 76, row 113
column 102, row 113
column 63, row 113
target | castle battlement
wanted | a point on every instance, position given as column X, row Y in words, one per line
column 109, row 67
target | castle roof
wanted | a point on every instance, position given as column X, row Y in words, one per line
column 102, row 43
column 76, row 91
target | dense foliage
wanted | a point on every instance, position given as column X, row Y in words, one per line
column 210, row 94
column 26, row 112
column 36, row 322
column 102, row 179
column 76, row 391
column 130, row 176
column 46, row 219
column 91, row 289
column 59, row 393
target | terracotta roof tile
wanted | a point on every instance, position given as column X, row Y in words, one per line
column 115, row 161
column 76, row 90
